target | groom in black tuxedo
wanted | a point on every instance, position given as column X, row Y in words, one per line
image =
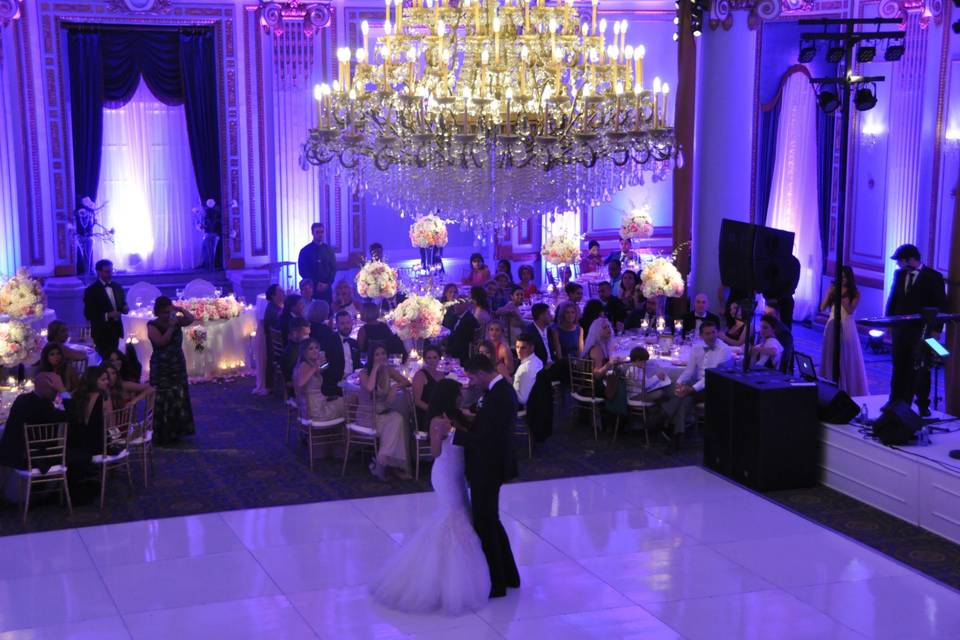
column 103, row 304
column 915, row 287
column 490, row 463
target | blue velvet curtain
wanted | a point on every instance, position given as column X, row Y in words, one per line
column 826, row 128
column 179, row 67
column 766, row 156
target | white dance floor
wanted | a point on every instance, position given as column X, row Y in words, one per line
column 673, row 553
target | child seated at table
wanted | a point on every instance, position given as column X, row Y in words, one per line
column 655, row 383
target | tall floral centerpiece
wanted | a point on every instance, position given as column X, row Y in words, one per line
column 562, row 251
column 636, row 223
column 429, row 234
column 661, row 279
column 22, row 296
column 376, row 280
column 18, row 342
column 416, row 318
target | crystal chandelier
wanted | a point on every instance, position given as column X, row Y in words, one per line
column 492, row 113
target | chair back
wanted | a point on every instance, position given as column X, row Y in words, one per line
column 80, row 333
column 116, row 428
column 46, row 444
column 276, row 344
column 361, row 410
column 198, row 288
column 144, row 293
column 142, row 423
column 593, row 290
column 635, row 376
column 80, row 366
column 581, row 376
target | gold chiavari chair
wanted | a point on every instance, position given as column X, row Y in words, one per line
column 46, row 449
column 116, row 453
column 80, row 333
column 275, row 345
column 361, row 429
column 140, row 440
column 80, row 366
column 583, row 391
column 635, row 377
column 320, row 433
column 421, row 440
column 522, row 430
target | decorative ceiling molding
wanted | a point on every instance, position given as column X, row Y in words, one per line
column 9, row 11
column 311, row 15
column 721, row 11
column 928, row 10
column 139, row 6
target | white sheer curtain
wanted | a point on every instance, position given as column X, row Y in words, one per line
column 793, row 193
column 147, row 181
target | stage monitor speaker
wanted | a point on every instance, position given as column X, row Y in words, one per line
column 898, row 424
column 833, row 405
column 755, row 258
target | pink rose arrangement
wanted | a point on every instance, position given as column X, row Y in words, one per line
column 22, row 296
column 197, row 334
column 205, row 309
column 660, row 277
column 417, row 317
column 428, row 231
column 18, row 343
column 377, row 280
column 636, row 223
column 561, row 250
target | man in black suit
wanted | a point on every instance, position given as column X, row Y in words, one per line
column 541, row 332
column 915, row 287
column 700, row 313
column 463, row 325
column 318, row 262
column 489, row 463
column 613, row 307
column 343, row 355
column 103, row 304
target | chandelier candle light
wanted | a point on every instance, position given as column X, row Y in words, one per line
column 519, row 104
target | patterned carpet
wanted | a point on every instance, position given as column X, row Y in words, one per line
column 238, row 460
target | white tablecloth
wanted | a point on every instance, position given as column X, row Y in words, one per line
column 228, row 350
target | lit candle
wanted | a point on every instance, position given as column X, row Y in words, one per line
column 526, row 17
column 638, row 55
column 677, row 326
column 365, row 30
column 593, row 15
column 661, row 324
column 399, row 12
column 603, row 36
column 553, row 33
column 623, row 34
column 612, row 55
column 387, row 18
column 496, row 39
column 656, row 101
column 476, row 17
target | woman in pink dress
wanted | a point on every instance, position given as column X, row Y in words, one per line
column 853, row 375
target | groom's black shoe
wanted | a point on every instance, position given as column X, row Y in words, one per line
column 498, row 593
column 515, row 584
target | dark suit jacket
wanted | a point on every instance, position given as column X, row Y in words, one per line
column 321, row 333
column 539, row 348
column 319, row 264
column 540, row 407
column 28, row 408
column 615, row 310
column 690, row 321
column 927, row 291
column 96, row 305
column 461, row 336
column 487, row 443
column 334, row 372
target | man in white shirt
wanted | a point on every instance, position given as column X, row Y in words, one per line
column 530, row 366
column 690, row 385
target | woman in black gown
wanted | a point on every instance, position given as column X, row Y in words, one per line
column 173, row 415
column 424, row 382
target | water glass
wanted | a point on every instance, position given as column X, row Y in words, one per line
column 217, row 292
column 179, row 294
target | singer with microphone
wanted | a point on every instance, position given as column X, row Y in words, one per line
column 915, row 287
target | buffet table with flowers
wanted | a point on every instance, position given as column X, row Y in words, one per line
column 219, row 343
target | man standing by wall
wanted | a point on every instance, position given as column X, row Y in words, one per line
column 318, row 263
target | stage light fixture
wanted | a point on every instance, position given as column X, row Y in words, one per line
column 829, row 101
column 866, row 53
column 864, row 99
column 893, row 52
column 835, row 53
column 807, row 53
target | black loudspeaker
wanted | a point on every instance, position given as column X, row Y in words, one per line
column 898, row 424
column 755, row 258
column 762, row 429
column 833, row 405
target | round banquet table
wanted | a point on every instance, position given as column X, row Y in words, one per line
column 228, row 349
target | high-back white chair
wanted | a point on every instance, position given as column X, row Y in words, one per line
column 144, row 293
column 199, row 288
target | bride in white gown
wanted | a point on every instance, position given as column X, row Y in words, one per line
column 442, row 565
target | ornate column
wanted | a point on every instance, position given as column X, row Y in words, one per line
column 906, row 122
column 9, row 201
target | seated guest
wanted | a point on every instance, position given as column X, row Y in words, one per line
column 128, row 370
column 450, row 293
column 542, row 333
column 650, row 385
column 574, row 293
column 768, row 350
column 376, row 252
column 91, row 404
column 275, row 306
column 698, row 315
column 381, row 383
column 591, row 311
column 299, row 333
column 504, row 267
column 424, row 382
column 530, row 366
column 481, row 305
column 499, row 293
column 613, row 307
column 628, row 284
column 592, row 262
column 52, row 360
column 510, row 311
column 306, row 292
column 615, row 273
column 35, row 407
column 502, row 355
column 462, row 324
column 689, row 389
column 489, row 350
column 479, row 272
column 342, row 353
column 624, row 254
column 375, row 331
column 345, row 300
column 568, row 332
column 293, row 307
column 526, row 283
column 308, row 383
column 597, row 348
column 317, row 316
column 58, row 333
column 736, row 334
column 122, row 392
column 647, row 311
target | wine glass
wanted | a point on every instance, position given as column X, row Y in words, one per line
column 138, row 302
column 179, row 294
column 217, row 292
